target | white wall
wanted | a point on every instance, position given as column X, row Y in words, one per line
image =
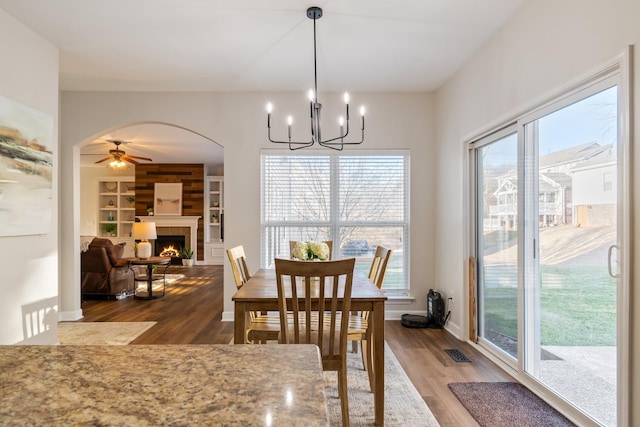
column 547, row 45
column 238, row 123
column 29, row 264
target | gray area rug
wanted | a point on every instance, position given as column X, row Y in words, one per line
column 403, row 405
column 100, row 333
column 506, row 404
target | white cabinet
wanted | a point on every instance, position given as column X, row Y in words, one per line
column 214, row 220
column 214, row 202
column 214, row 253
column 116, row 206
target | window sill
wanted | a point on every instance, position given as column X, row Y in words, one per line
column 400, row 299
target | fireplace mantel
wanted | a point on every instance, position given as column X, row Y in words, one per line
column 177, row 221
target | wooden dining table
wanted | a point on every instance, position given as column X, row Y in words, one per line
column 260, row 294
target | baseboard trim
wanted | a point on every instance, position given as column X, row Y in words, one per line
column 70, row 316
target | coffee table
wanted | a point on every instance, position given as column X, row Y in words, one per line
column 150, row 262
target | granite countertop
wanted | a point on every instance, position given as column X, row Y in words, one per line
column 150, row 385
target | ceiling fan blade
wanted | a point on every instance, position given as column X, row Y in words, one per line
column 104, row 160
column 130, row 160
column 138, row 157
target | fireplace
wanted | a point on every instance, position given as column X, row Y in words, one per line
column 169, row 245
column 171, row 225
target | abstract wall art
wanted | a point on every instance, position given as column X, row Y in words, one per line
column 26, row 169
column 167, row 199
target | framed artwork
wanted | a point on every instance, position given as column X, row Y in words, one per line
column 167, row 199
column 26, row 170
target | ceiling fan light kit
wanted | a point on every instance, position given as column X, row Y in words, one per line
column 119, row 160
column 118, row 165
column 315, row 107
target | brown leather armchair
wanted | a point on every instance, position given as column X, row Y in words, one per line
column 104, row 272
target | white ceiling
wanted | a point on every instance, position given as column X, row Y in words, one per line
column 159, row 142
column 258, row 45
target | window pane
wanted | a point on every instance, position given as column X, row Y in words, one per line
column 572, row 315
column 296, row 188
column 276, row 240
column 497, row 243
column 372, row 188
column 356, row 201
column 361, row 243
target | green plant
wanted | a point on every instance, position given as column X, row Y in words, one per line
column 109, row 228
column 186, row 253
column 131, row 199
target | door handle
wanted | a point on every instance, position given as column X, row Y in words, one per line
column 611, row 248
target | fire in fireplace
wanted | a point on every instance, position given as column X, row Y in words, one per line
column 170, row 246
column 170, row 251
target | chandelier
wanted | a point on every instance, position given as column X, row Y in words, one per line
column 315, row 107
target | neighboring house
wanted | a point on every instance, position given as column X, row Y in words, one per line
column 595, row 187
column 556, row 201
column 504, row 213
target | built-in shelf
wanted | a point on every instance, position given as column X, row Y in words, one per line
column 116, row 206
column 214, row 205
column 214, row 220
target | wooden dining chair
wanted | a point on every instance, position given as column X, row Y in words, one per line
column 238, row 261
column 358, row 321
column 292, row 244
column 263, row 327
column 314, row 290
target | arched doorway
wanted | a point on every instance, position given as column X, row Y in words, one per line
column 163, row 143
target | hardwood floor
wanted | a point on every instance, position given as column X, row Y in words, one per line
column 191, row 313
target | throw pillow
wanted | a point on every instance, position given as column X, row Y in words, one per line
column 115, row 252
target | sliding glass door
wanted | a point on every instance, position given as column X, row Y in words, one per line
column 570, row 317
column 497, row 241
column 546, row 239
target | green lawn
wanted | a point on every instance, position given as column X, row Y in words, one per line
column 578, row 305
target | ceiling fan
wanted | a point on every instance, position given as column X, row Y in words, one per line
column 119, row 156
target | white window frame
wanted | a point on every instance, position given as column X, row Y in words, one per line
column 334, row 222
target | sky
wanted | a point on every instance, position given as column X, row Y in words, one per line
column 593, row 119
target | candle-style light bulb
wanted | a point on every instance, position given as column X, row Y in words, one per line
column 362, row 110
column 289, row 120
column 341, row 123
column 362, row 119
column 346, row 97
column 311, row 95
column 269, row 110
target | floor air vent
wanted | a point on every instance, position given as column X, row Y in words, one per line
column 457, row 355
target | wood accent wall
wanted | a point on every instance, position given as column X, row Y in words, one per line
column 192, row 178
